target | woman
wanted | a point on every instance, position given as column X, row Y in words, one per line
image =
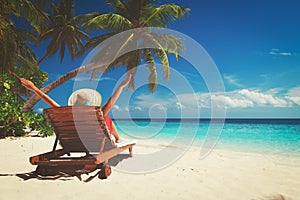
column 82, row 100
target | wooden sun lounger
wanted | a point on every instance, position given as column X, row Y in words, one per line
column 80, row 129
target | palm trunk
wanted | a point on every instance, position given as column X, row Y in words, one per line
column 34, row 99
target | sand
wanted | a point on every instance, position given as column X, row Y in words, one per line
column 223, row 174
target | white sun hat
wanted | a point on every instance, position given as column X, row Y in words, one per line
column 90, row 96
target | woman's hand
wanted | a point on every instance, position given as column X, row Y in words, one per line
column 125, row 81
column 27, row 84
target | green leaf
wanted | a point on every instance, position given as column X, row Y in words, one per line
column 163, row 15
column 6, row 85
column 108, row 21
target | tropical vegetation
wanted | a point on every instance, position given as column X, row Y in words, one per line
column 54, row 23
column 12, row 119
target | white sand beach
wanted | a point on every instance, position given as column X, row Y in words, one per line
column 225, row 175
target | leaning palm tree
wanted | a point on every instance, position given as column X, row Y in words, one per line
column 136, row 14
column 13, row 40
column 128, row 15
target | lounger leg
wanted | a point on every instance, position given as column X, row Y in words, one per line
column 130, row 151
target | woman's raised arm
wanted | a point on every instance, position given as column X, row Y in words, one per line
column 106, row 108
column 30, row 86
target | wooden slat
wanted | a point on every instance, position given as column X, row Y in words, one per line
column 81, row 136
column 68, row 113
column 71, row 118
column 67, row 162
column 67, row 109
column 77, row 123
column 78, row 127
column 80, row 133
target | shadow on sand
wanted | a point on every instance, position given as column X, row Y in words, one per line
column 65, row 173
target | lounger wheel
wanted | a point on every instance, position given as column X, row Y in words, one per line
column 42, row 170
column 105, row 171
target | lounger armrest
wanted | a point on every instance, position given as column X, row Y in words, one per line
column 125, row 143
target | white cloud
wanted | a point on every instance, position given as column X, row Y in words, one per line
column 116, row 107
column 148, row 100
column 244, row 98
column 232, row 80
column 273, row 51
column 180, row 105
column 294, row 95
column 126, row 108
column 40, row 110
column 232, row 102
column 277, row 52
column 188, row 99
column 294, row 92
column 159, row 107
column 295, row 100
column 86, row 77
column 263, row 99
column 138, row 108
column 285, row 53
column 274, row 91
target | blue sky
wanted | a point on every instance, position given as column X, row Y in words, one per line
column 254, row 44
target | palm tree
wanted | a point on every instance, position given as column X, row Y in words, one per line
column 13, row 40
column 128, row 15
column 132, row 14
column 64, row 31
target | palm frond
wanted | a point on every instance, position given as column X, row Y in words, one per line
column 81, row 33
column 167, row 13
column 62, row 51
column 46, row 35
column 155, row 19
column 2, row 27
column 14, row 48
column 109, row 52
column 24, row 35
column 94, row 42
column 135, row 8
column 54, row 45
column 72, row 49
column 120, row 7
column 108, row 22
column 170, row 43
column 66, row 8
column 152, row 78
column 29, row 11
column 26, row 61
column 160, row 52
column 163, row 57
column 81, row 19
column 54, row 9
column 42, row 4
column 132, row 66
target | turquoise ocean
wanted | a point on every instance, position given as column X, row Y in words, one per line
column 265, row 136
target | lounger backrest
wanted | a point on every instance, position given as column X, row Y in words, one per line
column 79, row 128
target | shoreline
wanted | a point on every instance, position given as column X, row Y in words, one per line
column 223, row 174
